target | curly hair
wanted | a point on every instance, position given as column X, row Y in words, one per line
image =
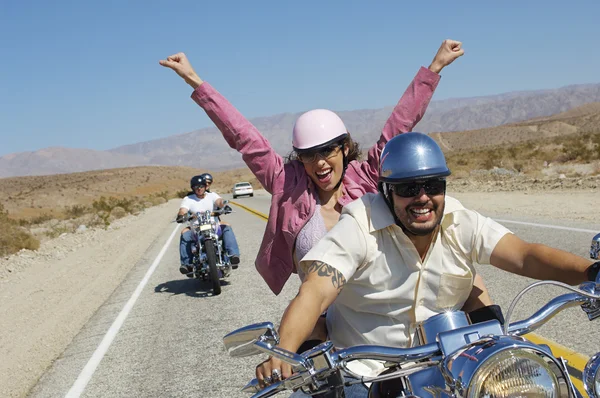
column 354, row 152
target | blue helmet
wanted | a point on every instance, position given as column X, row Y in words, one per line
column 411, row 156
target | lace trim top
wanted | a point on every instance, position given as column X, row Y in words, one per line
column 308, row 236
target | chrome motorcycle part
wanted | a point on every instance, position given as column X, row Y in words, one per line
column 252, row 387
column 595, row 248
column 240, row 342
column 510, row 374
column 428, row 330
column 591, row 307
column 286, row 356
column 474, row 360
column 453, row 340
column 591, row 376
column 505, row 366
column 427, row 382
column 543, row 315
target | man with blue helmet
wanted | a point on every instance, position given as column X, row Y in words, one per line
column 407, row 253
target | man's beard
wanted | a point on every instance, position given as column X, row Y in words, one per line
column 421, row 231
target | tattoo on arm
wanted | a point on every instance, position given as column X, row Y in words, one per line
column 337, row 278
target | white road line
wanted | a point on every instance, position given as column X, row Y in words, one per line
column 89, row 369
column 550, row 226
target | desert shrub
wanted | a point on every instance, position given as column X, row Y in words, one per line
column 97, row 221
column 126, row 204
column 3, row 213
column 102, row 204
column 163, row 194
column 518, row 166
column 12, row 237
column 513, row 152
column 137, row 208
column 23, row 222
column 59, row 229
column 157, row 200
column 42, row 218
column 489, row 163
column 182, row 193
column 462, row 161
column 107, row 204
column 76, row 211
column 118, row 212
column 575, row 150
column 104, row 216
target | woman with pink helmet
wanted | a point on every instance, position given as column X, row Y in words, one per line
column 323, row 173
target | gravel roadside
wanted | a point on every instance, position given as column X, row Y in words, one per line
column 47, row 296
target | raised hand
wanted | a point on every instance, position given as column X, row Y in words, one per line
column 447, row 53
column 180, row 64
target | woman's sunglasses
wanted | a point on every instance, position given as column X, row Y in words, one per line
column 325, row 153
column 412, row 189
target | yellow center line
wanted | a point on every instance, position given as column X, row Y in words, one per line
column 574, row 359
column 255, row 212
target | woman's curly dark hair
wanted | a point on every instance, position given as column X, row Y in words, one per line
column 354, row 152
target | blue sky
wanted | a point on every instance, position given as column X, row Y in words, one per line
column 85, row 74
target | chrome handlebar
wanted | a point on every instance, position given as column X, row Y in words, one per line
column 314, row 366
column 587, row 296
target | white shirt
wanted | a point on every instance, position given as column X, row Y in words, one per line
column 388, row 289
column 194, row 204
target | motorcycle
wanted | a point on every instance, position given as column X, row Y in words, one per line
column 452, row 357
column 209, row 260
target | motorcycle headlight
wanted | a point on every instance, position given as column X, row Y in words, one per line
column 591, row 376
column 514, row 373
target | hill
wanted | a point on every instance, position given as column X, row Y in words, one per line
column 206, row 147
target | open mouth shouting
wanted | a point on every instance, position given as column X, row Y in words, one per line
column 324, row 176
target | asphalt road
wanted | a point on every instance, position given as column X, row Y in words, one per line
column 171, row 342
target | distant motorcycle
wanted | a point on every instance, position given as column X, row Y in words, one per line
column 209, row 260
column 453, row 358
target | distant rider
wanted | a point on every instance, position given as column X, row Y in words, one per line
column 209, row 180
column 202, row 200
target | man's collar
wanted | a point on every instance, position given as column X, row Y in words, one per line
column 381, row 216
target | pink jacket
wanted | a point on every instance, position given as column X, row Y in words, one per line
column 294, row 195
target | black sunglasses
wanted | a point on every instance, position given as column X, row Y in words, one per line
column 326, row 153
column 198, row 187
column 412, row 189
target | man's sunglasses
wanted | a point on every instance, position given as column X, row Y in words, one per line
column 198, row 187
column 412, row 189
column 325, row 153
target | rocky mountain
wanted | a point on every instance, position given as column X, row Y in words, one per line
column 582, row 119
column 206, row 148
column 57, row 160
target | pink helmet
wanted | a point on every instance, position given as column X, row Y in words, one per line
column 316, row 128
